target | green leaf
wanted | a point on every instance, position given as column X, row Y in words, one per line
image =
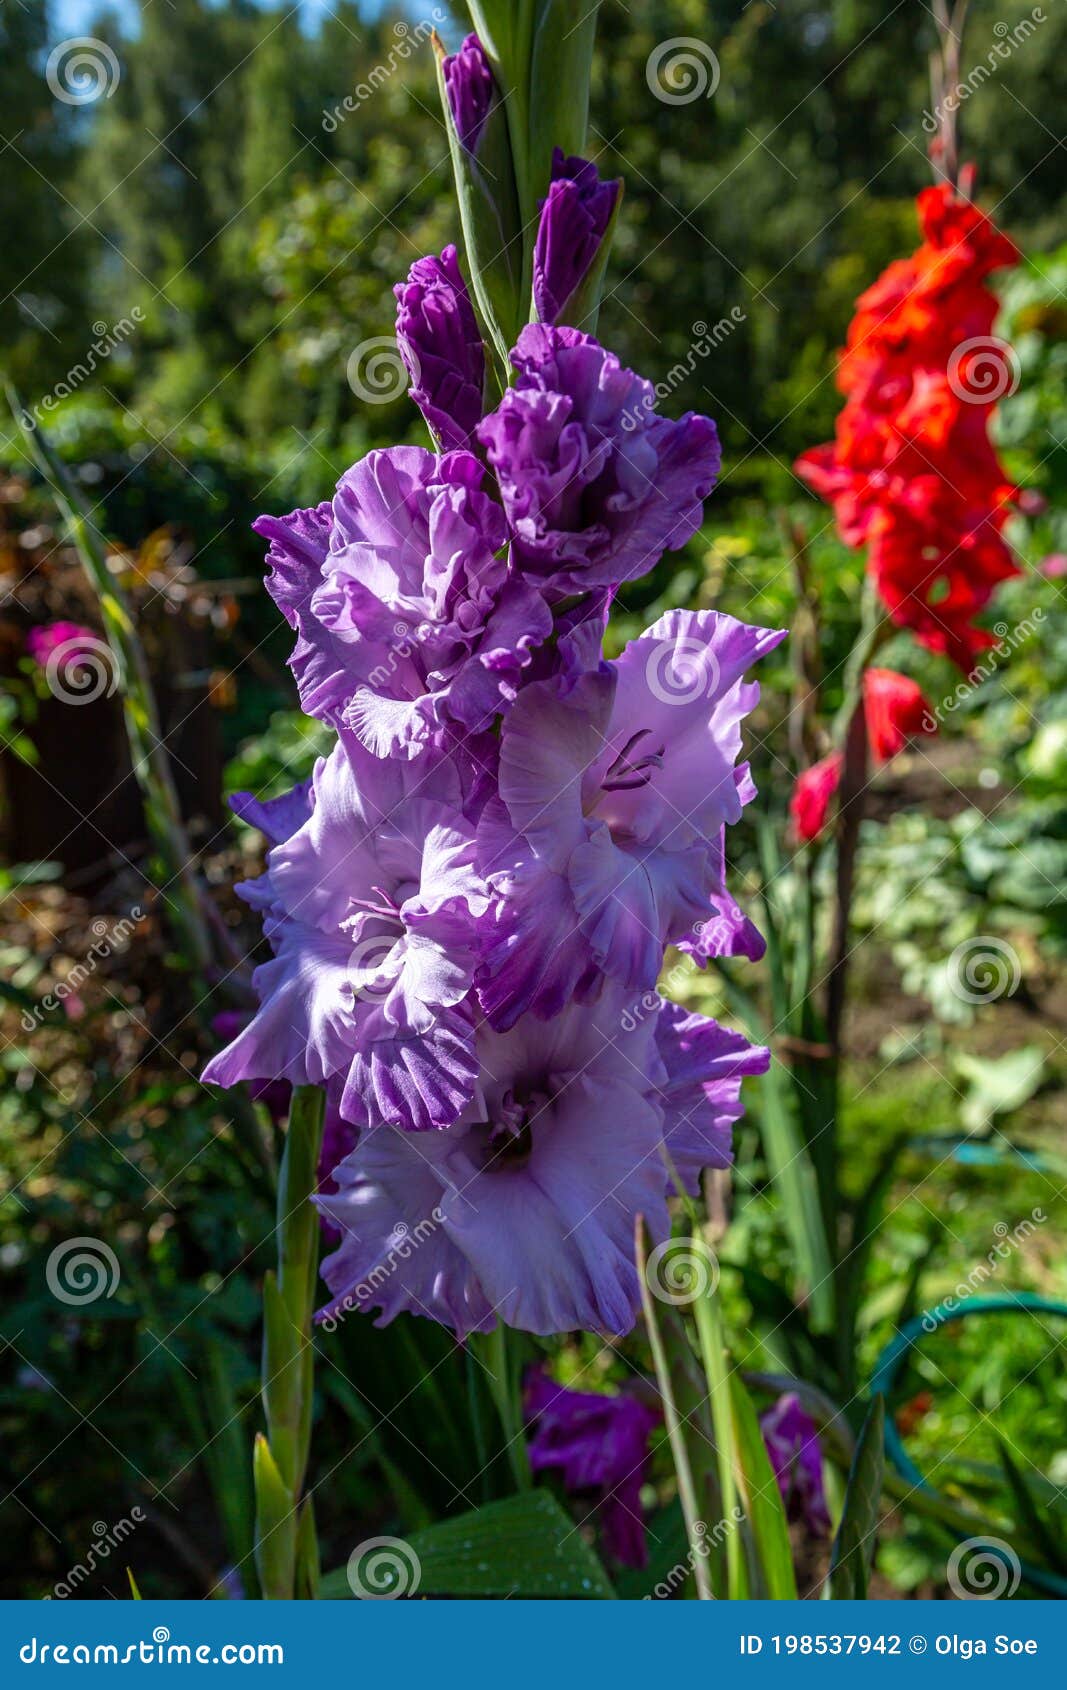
column 560, row 68
column 853, row 1550
column 1043, row 1528
column 298, row 1218
column 524, row 1546
column 669, row 1362
column 226, row 1457
column 275, row 1526
column 283, row 1377
column 793, row 1173
column 135, row 1594
column 866, row 1218
column 709, row 1325
column 761, row 1500
column 668, row 1560
column 308, row 1571
column 689, row 1392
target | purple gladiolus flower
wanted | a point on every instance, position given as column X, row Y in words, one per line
column 466, row 899
column 370, row 905
column 595, row 485
column 600, row 1444
column 470, row 88
column 525, row 1207
column 605, row 842
column 439, row 341
column 412, row 628
column 339, row 1137
column 275, row 1095
column 574, row 220
column 793, row 1446
column 699, row 1088
column 727, row 931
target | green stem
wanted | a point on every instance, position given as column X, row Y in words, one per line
column 695, row 1526
column 286, row 1557
column 506, row 1387
column 712, row 1341
column 850, row 737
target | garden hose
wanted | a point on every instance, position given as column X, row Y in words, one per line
column 982, row 1152
column 888, row 1366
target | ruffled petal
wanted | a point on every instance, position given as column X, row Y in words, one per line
column 416, row 1081
column 700, row 1090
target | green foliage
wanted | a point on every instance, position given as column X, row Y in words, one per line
column 854, row 1545
column 285, row 752
column 41, row 301
column 522, row 1546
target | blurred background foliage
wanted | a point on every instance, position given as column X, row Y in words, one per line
column 262, row 243
column 225, row 201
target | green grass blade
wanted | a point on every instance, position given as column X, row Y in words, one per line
column 853, row 1550
column 762, row 1500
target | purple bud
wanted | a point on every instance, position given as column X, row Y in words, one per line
column 574, row 221
column 437, row 333
column 469, row 85
column 793, row 1446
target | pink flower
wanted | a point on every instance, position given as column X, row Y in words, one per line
column 70, row 638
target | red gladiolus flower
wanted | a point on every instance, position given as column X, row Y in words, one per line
column 809, row 806
column 912, row 472
column 895, row 711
